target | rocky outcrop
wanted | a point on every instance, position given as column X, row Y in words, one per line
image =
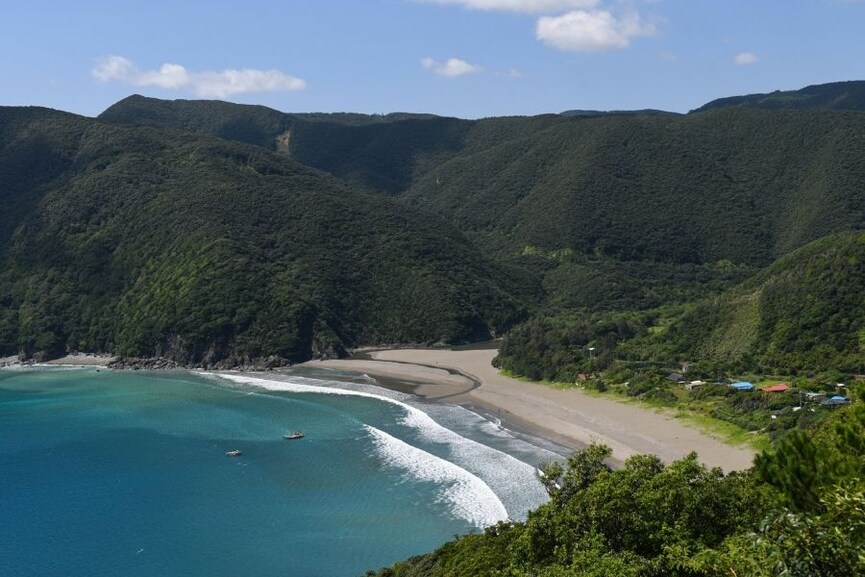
column 230, row 363
column 283, row 141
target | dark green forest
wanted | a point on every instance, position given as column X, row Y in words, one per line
column 210, row 232
column 848, row 95
column 145, row 242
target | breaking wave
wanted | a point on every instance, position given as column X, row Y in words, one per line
column 510, row 480
column 467, row 495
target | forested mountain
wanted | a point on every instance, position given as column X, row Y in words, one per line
column 743, row 185
column 802, row 315
column 375, row 151
column 834, row 96
column 400, row 228
column 644, row 112
column 610, row 211
column 147, row 242
column 806, row 311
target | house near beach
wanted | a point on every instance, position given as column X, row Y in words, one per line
column 694, row 385
column 835, row 401
column 742, row 386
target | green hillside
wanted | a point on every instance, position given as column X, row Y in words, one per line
column 147, row 242
column 803, row 313
column 607, row 211
column 376, row 151
column 743, row 185
column 738, row 184
column 834, row 96
column 584, row 220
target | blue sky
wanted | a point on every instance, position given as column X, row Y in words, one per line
column 464, row 58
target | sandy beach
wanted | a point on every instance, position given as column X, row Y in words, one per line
column 82, row 359
column 74, row 359
column 569, row 417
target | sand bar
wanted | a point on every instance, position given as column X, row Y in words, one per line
column 569, row 417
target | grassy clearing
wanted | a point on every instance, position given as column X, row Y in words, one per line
column 726, row 432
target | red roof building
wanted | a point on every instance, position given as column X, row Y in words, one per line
column 779, row 388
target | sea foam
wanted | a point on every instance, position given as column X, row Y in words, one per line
column 509, row 479
column 515, row 481
column 468, row 496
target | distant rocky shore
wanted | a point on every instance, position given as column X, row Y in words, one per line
column 94, row 359
column 231, row 363
column 150, row 363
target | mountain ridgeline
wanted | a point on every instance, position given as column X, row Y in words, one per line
column 211, row 232
column 848, row 95
column 738, row 184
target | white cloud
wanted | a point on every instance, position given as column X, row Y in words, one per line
column 205, row 84
column 170, row 76
column 591, row 31
column 228, row 82
column 452, row 68
column 112, row 68
column 744, row 58
column 528, row 6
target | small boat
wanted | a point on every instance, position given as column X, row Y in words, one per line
column 293, row 435
column 233, row 453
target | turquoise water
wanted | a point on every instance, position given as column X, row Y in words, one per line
column 125, row 473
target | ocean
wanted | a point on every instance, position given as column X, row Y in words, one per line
column 125, row 473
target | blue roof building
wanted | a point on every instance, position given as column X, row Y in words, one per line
column 743, row 386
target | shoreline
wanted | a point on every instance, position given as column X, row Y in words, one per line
column 83, row 360
column 565, row 418
column 71, row 360
column 568, row 418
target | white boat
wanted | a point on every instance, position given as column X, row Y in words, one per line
column 293, row 435
column 233, row 453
